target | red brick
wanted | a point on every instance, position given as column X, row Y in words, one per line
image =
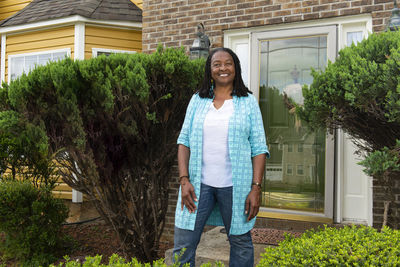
column 236, row 25
column 350, row 11
column 274, row 20
column 227, row 20
column 263, row 15
column 310, row 3
column 382, row 1
column 271, row 8
column 369, row 9
column 311, row 16
column 211, row 10
column 200, row 18
column 218, row 3
column 219, row 15
column 263, row 3
column 258, row 22
column 211, row 22
column 185, row 19
column 291, row 5
column 282, row 13
column 293, row 18
column 177, row 4
column 235, row 13
column 202, row 5
column 301, row 10
column 254, row 10
column 245, row 5
column 330, row 14
column 377, row 21
column 245, row 18
column 381, row 14
column 340, row 5
column 184, row 8
column 227, row 8
column 194, row 12
column 320, row 8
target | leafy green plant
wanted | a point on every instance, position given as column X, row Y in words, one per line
column 112, row 124
column 348, row 246
column 117, row 261
column 31, row 219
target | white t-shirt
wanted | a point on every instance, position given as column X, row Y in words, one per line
column 216, row 168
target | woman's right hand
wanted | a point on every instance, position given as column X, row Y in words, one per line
column 188, row 195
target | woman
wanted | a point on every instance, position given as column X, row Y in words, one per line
column 221, row 160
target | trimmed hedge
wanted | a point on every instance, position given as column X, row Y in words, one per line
column 348, row 246
column 31, row 219
column 116, row 260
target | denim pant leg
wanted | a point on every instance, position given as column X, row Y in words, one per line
column 190, row 239
column 241, row 251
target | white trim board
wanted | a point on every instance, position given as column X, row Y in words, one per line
column 72, row 20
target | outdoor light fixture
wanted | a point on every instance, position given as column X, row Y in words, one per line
column 201, row 45
column 394, row 20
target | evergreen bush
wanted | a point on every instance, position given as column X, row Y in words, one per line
column 31, row 219
column 112, row 124
column 360, row 94
column 348, row 246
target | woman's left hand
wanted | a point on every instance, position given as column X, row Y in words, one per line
column 253, row 202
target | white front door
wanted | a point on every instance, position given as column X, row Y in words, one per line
column 356, row 185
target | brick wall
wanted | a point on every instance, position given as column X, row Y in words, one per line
column 174, row 22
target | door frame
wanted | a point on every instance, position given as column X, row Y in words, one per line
column 331, row 32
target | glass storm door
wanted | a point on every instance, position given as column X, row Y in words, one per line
column 299, row 176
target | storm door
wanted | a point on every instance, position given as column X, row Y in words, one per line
column 299, row 174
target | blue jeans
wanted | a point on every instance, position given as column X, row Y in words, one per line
column 241, row 251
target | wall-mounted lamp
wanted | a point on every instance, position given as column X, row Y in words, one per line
column 201, row 45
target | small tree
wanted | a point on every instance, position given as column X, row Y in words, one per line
column 360, row 93
column 115, row 121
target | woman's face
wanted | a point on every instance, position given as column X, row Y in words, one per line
column 222, row 68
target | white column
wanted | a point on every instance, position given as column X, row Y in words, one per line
column 79, row 54
column 79, row 45
column 3, row 58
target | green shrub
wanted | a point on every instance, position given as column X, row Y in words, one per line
column 116, row 260
column 31, row 219
column 348, row 246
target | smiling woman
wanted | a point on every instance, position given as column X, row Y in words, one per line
column 221, row 159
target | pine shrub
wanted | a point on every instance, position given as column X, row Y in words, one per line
column 31, row 219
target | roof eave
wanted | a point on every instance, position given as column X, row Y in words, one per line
column 68, row 21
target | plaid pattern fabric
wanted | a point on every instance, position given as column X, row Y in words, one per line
column 246, row 139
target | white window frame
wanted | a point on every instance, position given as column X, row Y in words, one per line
column 95, row 51
column 12, row 57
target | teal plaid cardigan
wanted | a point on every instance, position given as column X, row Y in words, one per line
column 246, row 138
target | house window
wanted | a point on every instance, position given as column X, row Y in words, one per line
column 300, row 170
column 354, row 37
column 289, row 169
column 24, row 63
column 290, row 148
column 103, row 51
column 300, row 147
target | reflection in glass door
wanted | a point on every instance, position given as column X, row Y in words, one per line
column 295, row 173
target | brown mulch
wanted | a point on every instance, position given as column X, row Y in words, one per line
column 96, row 238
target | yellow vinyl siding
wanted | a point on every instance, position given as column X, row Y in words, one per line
column 138, row 3
column 10, row 7
column 112, row 38
column 38, row 41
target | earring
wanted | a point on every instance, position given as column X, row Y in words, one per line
column 211, row 92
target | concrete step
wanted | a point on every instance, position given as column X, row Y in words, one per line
column 214, row 246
